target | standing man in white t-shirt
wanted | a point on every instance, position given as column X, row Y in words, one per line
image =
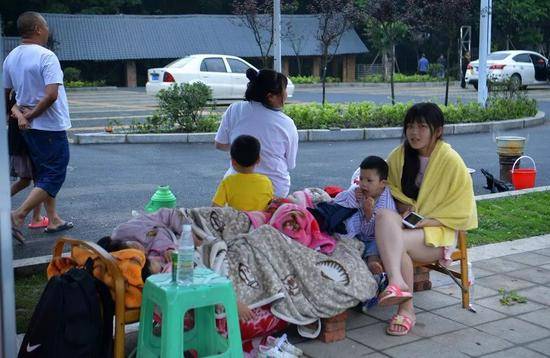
column 34, row 73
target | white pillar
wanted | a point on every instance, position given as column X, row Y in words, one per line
column 489, row 26
column 277, row 64
column 7, row 299
column 484, row 15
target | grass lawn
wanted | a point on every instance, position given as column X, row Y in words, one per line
column 27, row 293
column 499, row 220
column 511, row 218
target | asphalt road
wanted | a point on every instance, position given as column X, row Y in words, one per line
column 106, row 182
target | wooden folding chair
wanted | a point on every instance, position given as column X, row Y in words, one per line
column 123, row 315
column 461, row 254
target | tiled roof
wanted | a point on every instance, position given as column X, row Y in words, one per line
column 121, row 37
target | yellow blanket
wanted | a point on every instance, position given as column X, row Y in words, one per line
column 446, row 193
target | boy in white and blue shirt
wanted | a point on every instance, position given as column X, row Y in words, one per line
column 368, row 194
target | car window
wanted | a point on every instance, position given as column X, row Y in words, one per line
column 537, row 59
column 237, row 66
column 522, row 57
column 213, row 64
column 498, row 56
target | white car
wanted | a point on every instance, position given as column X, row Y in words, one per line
column 521, row 67
column 225, row 75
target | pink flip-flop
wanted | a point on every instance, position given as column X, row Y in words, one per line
column 39, row 225
column 393, row 295
column 401, row 321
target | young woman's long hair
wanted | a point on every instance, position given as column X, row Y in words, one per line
column 263, row 83
column 432, row 115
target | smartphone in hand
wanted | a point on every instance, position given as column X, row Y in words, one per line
column 411, row 220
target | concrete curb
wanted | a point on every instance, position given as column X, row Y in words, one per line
column 312, row 135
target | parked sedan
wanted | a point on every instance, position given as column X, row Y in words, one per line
column 521, row 67
column 225, row 75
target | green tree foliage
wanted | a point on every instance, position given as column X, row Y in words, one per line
column 443, row 17
column 385, row 27
column 334, row 17
column 521, row 24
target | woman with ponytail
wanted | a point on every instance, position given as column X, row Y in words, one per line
column 428, row 177
column 260, row 115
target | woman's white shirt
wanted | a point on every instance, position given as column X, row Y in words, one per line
column 276, row 132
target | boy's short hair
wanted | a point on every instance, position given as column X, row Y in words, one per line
column 377, row 163
column 245, row 150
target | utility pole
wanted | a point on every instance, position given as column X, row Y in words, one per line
column 489, row 27
column 277, row 65
column 7, row 299
column 484, row 20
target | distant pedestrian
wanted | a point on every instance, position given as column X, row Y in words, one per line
column 34, row 73
column 465, row 62
column 442, row 62
column 423, row 65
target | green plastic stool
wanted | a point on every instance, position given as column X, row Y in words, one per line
column 208, row 289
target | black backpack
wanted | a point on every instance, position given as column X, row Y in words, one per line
column 74, row 318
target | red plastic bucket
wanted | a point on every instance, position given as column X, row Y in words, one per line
column 523, row 178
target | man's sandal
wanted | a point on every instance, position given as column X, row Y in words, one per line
column 400, row 321
column 393, row 295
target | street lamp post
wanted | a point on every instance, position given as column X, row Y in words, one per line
column 7, row 300
column 484, row 21
column 277, row 65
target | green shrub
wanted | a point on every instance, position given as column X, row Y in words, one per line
column 304, row 79
column 400, row 78
column 369, row 114
column 339, row 115
column 180, row 105
column 71, row 74
column 312, row 79
column 372, row 78
column 208, row 124
column 80, row 84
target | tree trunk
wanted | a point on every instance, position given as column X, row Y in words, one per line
column 391, row 75
column 447, row 71
column 386, row 65
column 299, row 63
column 324, row 73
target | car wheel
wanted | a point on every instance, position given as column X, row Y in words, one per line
column 515, row 81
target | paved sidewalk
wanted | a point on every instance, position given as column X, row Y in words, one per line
column 443, row 328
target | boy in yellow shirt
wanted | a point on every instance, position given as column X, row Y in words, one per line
column 244, row 190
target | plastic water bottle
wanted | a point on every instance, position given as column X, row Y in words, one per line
column 186, row 252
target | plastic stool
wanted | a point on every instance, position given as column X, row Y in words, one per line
column 208, row 289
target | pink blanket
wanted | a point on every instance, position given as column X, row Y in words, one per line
column 297, row 223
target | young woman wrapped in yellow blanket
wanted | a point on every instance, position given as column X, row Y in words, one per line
column 428, row 177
